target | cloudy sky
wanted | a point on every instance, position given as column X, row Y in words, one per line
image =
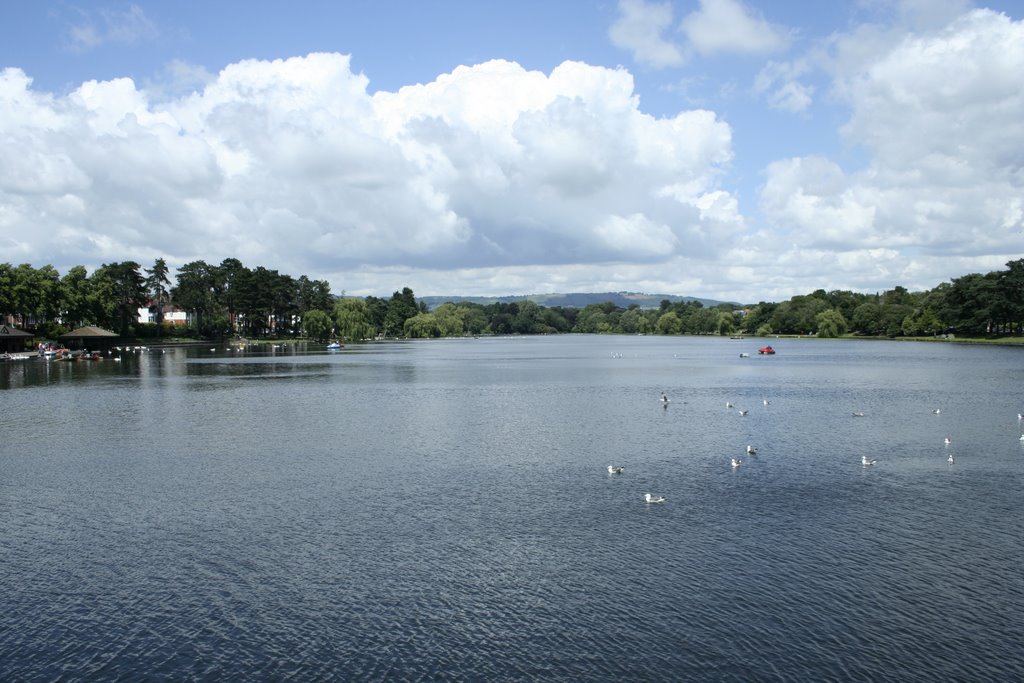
column 740, row 150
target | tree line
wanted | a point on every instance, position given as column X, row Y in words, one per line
column 231, row 299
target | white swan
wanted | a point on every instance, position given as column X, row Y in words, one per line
column 651, row 498
column 613, row 469
column 736, row 462
column 751, row 450
column 864, row 460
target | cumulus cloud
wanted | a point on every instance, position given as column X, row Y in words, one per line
column 292, row 164
column 730, row 27
column 718, row 27
column 940, row 115
column 640, row 28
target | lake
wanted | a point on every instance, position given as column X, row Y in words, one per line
column 442, row 510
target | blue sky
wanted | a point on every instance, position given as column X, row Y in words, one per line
column 721, row 148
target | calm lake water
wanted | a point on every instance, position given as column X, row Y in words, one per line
column 442, row 510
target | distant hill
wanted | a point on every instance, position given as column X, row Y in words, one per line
column 571, row 300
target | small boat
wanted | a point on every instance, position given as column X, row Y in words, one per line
column 333, row 345
column 766, row 350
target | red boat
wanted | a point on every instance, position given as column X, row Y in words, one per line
column 767, row 350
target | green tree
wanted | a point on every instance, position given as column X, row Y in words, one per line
column 867, row 319
column 702, row 321
column 592, row 319
column 633, row 321
column 830, row 323
column 401, row 307
column 317, row 324
column 313, row 295
column 528, row 319
column 122, row 291
column 352, row 319
column 892, row 318
column 726, row 323
column 158, row 287
column 669, row 323
column 449, row 320
column 47, row 280
column 230, row 281
column 25, row 296
column 194, row 292
column 758, row 316
column 7, row 305
column 474, row 319
column 76, row 290
column 1011, row 289
column 421, row 326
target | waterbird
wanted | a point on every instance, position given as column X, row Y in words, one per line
column 857, row 413
column 950, row 459
column 651, row 498
column 948, row 440
column 729, row 405
column 614, row 469
column 766, row 401
column 744, row 412
column 866, row 462
column 751, row 450
column 744, row 355
column 1022, row 437
column 937, row 411
column 664, row 398
column 736, row 462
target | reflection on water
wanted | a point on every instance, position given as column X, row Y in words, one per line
column 443, row 510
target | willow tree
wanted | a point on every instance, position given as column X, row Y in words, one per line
column 352, row 319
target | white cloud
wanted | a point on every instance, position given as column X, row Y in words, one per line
column 779, row 83
column 106, row 25
column 291, row 164
column 940, row 113
column 730, row 27
column 640, row 29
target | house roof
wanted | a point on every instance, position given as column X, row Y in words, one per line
column 89, row 331
column 10, row 331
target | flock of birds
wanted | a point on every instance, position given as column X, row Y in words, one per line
column 130, row 349
column 751, row 450
column 144, row 349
